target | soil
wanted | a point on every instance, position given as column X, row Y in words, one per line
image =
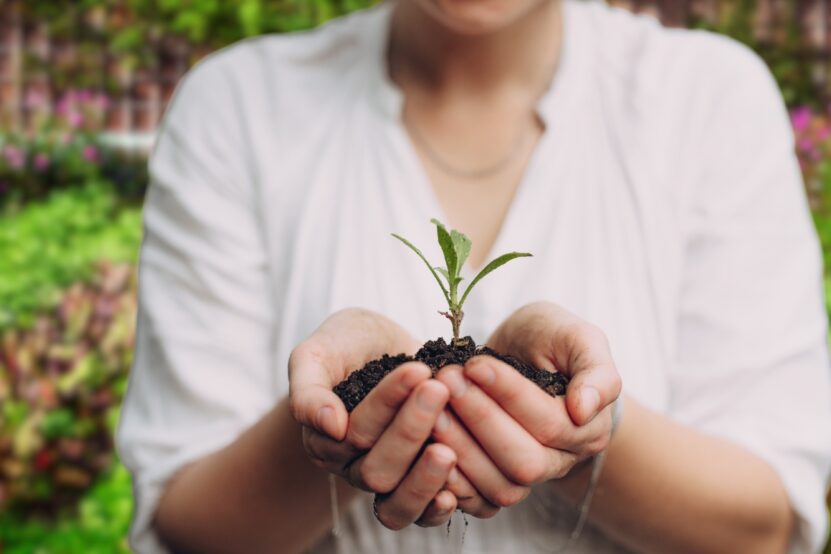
column 437, row 354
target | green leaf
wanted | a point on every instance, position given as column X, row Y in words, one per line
column 430, row 267
column 57, row 423
column 447, row 248
column 494, row 264
column 461, row 244
column 447, row 275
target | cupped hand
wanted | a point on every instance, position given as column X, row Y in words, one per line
column 524, row 436
column 379, row 447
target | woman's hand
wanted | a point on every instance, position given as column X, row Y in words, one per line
column 524, row 435
column 375, row 446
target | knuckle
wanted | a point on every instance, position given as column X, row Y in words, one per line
column 389, row 520
column 561, row 470
column 412, row 433
column 481, row 412
column 421, row 491
column 591, row 331
column 509, row 496
column 487, row 512
column 617, row 383
column 376, row 480
column 359, row 440
column 303, row 351
column 528, row 472
column 597, row 446
column 549, row 431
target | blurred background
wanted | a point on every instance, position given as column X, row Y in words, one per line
column 83, row 84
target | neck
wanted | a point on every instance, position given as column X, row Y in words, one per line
column 426, row 53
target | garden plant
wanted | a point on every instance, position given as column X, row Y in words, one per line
column 436, row 354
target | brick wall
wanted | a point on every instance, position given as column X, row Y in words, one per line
column 141, row 94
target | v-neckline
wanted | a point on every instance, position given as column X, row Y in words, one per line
column 550, row 108
column 428, row 198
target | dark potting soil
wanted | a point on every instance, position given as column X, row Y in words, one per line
column 436, row 354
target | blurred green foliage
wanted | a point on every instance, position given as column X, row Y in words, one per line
column 785, row 57
column 63, row 147
column 132, row 30
column 65, row 352
column 52, row 242
column 50, row 245
column 99, row 526
column 68, row 345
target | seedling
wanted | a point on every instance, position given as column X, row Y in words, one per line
column 456, row 248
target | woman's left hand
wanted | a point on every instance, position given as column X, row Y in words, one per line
column 527, row 434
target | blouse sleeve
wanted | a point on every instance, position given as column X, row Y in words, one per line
column 751, row 362
column 201, row 372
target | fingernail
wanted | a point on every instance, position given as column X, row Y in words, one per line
column 428, row 399
column 481, row 372
column 455, row 383
column 442, row 423
column 325, row 418
column 437, row 463
column 445, row 510
column 453, row 476
column 589, row 401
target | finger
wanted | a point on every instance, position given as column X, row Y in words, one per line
column 591, row 391
column 344, row 342
column 543, row 416
column 595, row 382
column 386, row 464
column 475, row 464
column 369, row 419
column 467, row 497
column 548, row 336
column 439, row 510
column 517, row 454
column 331, row 455
column 312, row 401
column 411, row 498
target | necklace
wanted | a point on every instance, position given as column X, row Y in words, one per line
column 465, row 173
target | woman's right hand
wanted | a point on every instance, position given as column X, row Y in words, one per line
column 374, row 447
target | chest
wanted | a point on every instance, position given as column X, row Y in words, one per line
column 473, row 162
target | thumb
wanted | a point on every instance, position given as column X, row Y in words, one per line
column 311, row 399
column 320, row 409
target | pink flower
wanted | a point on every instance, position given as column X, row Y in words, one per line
column 41, row 161
column 90, row 153
column 75, row 119
column 801, row 118
column 805, row 144
column 15, row 157
column 35, row 99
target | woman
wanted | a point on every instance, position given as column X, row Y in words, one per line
column 651, row 173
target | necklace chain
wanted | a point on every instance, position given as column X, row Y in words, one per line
column 466, row 173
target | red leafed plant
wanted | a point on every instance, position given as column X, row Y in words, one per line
column 60, row 385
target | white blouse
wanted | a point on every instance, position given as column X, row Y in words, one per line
column 663, row 203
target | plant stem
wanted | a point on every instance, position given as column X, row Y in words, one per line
column 456, row 321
